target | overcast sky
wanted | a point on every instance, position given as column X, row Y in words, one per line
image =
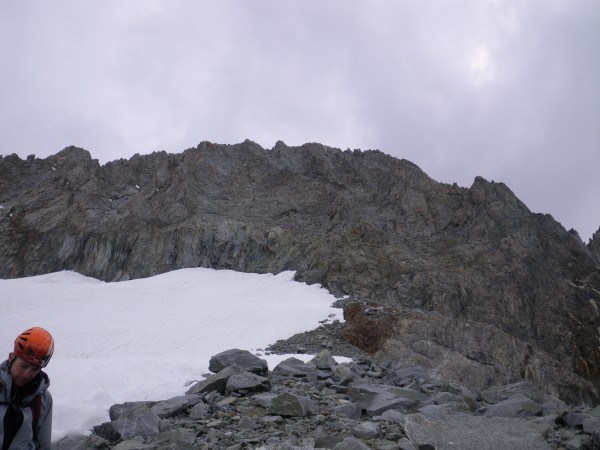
column 508, row 90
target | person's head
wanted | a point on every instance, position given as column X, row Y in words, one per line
column 33, row 350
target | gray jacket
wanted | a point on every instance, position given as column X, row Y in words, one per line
column 24, row 439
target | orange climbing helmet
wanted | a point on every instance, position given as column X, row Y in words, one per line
column 35, row 346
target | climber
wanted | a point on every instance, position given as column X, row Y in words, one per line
column 25, row 402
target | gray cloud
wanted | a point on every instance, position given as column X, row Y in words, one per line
column 503, row 89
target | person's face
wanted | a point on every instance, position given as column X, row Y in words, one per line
column 22, row 372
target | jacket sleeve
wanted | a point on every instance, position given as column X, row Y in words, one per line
column 44, row 428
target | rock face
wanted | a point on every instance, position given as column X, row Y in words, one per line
column 479, row 286
column 370, row 407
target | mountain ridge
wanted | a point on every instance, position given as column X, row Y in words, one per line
column 362, row 224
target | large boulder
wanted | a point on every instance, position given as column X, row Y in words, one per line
column 239, row 358
column 247, row 383
column 217, row 382
column 292, row 405
column 295, row 367
column 143, row 423
column 437, row 428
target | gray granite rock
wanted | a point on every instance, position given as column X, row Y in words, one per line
column 349, row 410
column 177, row 436
column 137, row 443
column 324, row 360
column 499, row 393
column 391, row 415
column 385, row 401
column 199, row 411
column 445, row 431
column 80, row 443
column 216, row 383
column 128, row 409
column 239, row 358
column 351, row 443
column 247, row 383
column 466, row 282
column 324, row 440
column 295, row 367
column 174, row 406
column 366, row 430
column 306, row 412
column 516, row 406
column 591, row 425
column 143, row 424
column 292, row 405
column 343, row 375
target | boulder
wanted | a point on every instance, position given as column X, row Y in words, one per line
column 178, row 437
column 239, row 358
column 516, row 406
column 387, row 400
column 406, row 374
column 444, row 431
column 143, row 424
column 574, row 419
column 343, row 375
column 199, row 411
column 350, row 410
column 351, row 443
column 498, row 393
column 217, row 382
column 391, row 415
column 366, row 430
column 247, row 382
column 295, row 367
column 365, row 393
column 128, row 409
column 175, row 405
column 292, row 405
column 591, row 425
column 137, row 443
column 324, row 440
column 323, row 360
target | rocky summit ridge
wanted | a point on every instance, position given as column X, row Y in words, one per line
column 464, row 282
